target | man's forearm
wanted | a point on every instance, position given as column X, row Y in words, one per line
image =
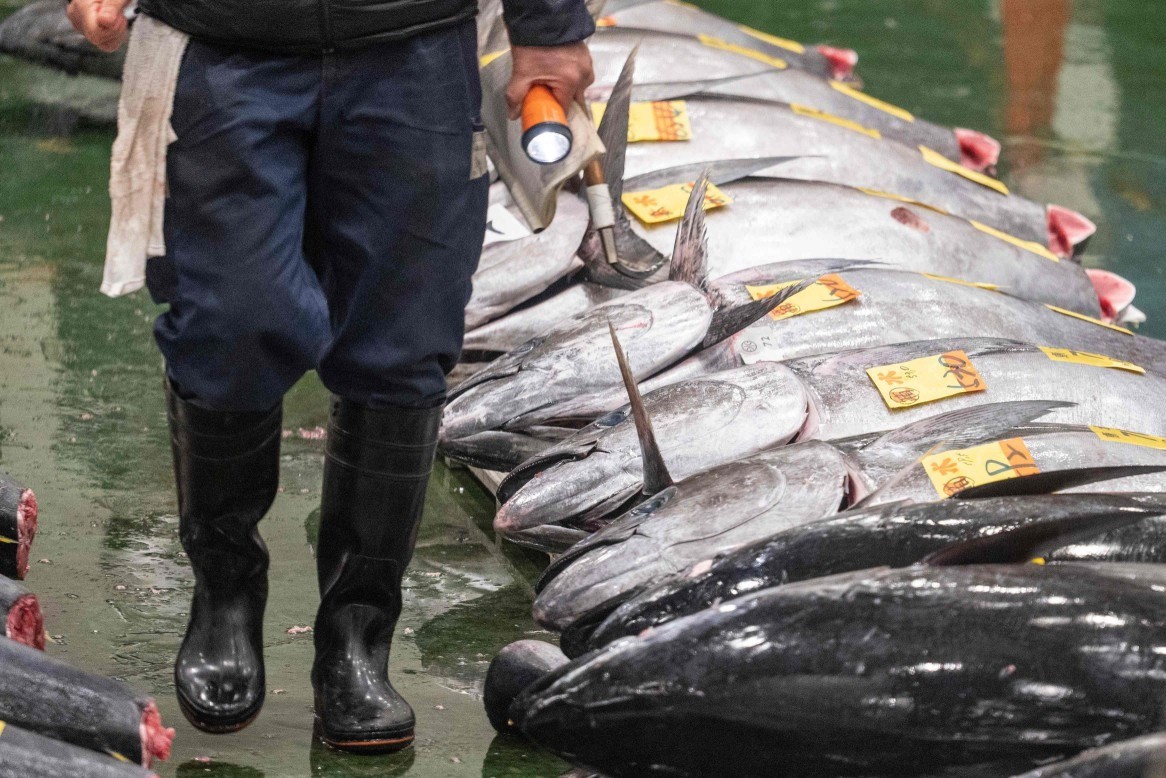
column 547, row 22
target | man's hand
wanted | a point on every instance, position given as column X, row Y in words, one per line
column 103, row 22
column 565, row 70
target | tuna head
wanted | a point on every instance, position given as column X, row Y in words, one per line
column 700, row 518
column 697, row 424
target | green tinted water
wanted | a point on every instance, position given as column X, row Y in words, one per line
column 1075, row 90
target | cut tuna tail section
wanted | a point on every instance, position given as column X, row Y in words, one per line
column 978, row 151
column 1069, row 231
column 656, row 475
column 21, row 749
column 18, row 520
column 1031, row 542
column 1114, row 293
column 1055, row 481
column 23, row 621
column 636, row 258
column 842, row 61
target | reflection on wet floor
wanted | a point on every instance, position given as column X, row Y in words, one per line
column 82, row 419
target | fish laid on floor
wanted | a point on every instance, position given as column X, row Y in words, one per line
column 515, row 266
column 672, row 67
column 719, row 33
column 47, row 696
column 589, row 474
column 773, row 220
column 819, row 149
column 658, row 325
column 23, row 620
column 900, row 672
column 893, row 535
column 18, row 518
column 1140, row 757
column 25, row 754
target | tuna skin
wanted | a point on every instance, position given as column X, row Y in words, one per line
column 518, row 326
column 47, row 696
column 774, row 221
column 25, row 754
column 894, row 535
column 1142, row 757
column 880, row 672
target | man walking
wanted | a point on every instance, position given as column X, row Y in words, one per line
column 325, row 210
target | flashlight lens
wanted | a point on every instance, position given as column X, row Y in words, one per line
column 546, row 144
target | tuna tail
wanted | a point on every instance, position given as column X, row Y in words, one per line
column 637, row 260
column 656, row 475
column 1055, row 481
column 1033, row 541
column 690, row 266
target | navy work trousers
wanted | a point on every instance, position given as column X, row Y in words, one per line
column 325, row 212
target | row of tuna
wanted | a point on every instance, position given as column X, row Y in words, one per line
column 846, row 465
column 56, row 720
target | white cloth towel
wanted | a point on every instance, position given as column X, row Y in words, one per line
column 137, row 175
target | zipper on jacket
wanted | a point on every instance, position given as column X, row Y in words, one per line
column 326, row 27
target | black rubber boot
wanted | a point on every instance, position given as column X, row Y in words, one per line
column 226, row 466
column 375, row 473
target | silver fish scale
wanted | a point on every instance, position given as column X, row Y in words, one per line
column 899, row 307
column 517, row 327
column 774, row 221
column 723, row 130
column 846, row 402
column 657, row 325
column 709, row 514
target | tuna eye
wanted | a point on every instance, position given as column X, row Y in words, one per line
column 611, row 419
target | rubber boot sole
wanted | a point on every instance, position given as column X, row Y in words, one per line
column 217, row 727
column 364, row 745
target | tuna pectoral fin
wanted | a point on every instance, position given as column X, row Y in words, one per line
column 729, row 319
column 1034, row 540
column 721, row 172
column 958, row 429
column 493, row 450
column 1055, row 481
column 656, row 475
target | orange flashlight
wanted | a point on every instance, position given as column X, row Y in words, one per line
column 546, row 138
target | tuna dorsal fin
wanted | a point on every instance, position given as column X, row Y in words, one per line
column 656, row 476
column 1056, row 480
column 1034, row 540
column 690, row 254
column 958, row 429
column 613, row 129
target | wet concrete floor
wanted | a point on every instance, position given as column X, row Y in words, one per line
column 1073, row 88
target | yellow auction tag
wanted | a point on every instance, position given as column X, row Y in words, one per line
column 1114, row 435
column 925, row 380
column 781, row 43
column 873, row 102
column 1088, row 358
column 655, row 206
column 7, row 540
column 606, row 21
column 954, row 471
column 486, row 59
column 2, row 726
column 723, row 45
column 1027, row 245
column 934, row 158
column 901, row 199
column 1090, row 319
column 829, row 291
column 961, row 282
column 665, row 120
column 822, row 116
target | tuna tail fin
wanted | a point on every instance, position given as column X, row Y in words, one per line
column 656, row 475
column 1056, row 480
column 730, row 318
column 637, row 260
column 1031, row 542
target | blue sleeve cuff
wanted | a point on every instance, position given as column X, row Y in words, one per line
column 547, row 22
